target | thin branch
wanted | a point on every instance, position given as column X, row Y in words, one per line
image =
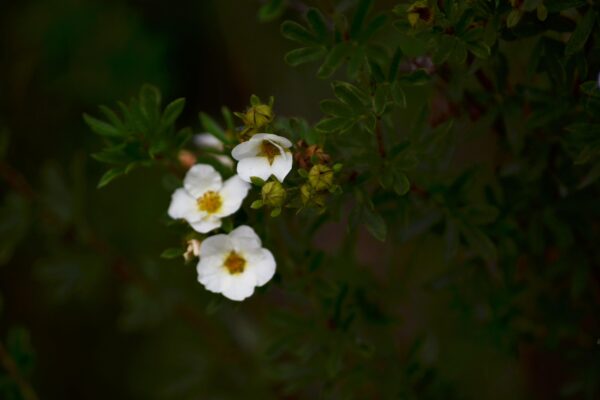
column 379, row 135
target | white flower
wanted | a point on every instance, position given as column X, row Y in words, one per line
column 234, row 264
column 209, row 141
column 262, row 156
column 204, row 199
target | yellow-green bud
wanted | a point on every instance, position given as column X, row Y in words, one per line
column 310, row 195
column 258, row 116
column 420, row 11
column 273, row 194
column 320, row 177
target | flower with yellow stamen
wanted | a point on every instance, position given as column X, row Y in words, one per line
column 235, row 264
column 204, row 198
column 263, row 155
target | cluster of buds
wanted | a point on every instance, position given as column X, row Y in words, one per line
column 319, row 182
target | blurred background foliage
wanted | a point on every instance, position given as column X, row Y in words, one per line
column 487, row 283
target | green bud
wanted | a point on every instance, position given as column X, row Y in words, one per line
column 258, row 116
column 420, row 12
column 273, row 194
column 320, row 177
column 309, row 194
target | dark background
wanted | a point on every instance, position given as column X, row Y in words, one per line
column 105, row 317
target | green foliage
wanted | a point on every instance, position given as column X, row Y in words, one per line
column 141, row 134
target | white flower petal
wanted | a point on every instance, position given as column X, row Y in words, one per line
column 254, row 166
column 215, row 245
column 282, row 165
column 206, row 225
column 211, row 272
column 262, row 264
column 233, row 193
column 184, row 206
column 207, row 140
column 239, row 287
column 246, row 149
column 202, row 178
column 243, row 238
column 280, row 140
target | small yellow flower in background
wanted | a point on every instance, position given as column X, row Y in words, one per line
column 263, row 155
column 205, row 199
column 235, row 264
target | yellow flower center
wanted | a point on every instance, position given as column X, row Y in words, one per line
column 269, row 150
column 210, row 202
column 234, row 263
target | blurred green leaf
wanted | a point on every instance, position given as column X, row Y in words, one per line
column 375, row 224
column 304, row 55
column 581, row 33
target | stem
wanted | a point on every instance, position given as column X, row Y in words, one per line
column 13, row 371
column 379, row 135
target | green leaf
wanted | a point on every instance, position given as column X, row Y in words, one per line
column 100, row 127
column 317, row 24
column 304, row 55
column 333, row 124
column 150, row 99
column 480, row 50
column 276, row 212
column 363, row 8
column 172, row 112
column 480, row 243
column 334, row 107
column 380, row 98
column 296, row 32
column 256, row 204
column 256, row 181
column 401, row 184
column 375, row 224
column 110, row 175
column 513, row 18
column 212, row 127
column 374, row 26
column 350, row 95
column 334, row 59
column 113, row 118
column 271, row 10
column 171, row 253
column 398, row 94
column 581, row 33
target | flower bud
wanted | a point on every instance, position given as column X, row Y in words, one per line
column 420, row 11
column 193, row 249
column 258, row 116
column 320, row 177
column 273, row 194
column 309, row 194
